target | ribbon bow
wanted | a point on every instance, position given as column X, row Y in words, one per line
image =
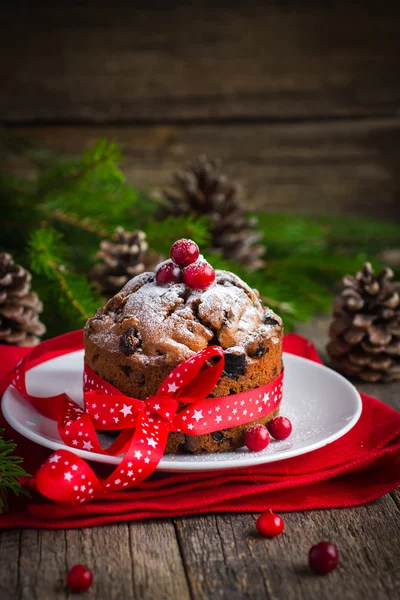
column 180, row 405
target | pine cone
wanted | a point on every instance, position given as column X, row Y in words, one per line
column 365, row 331
column 19, row 306
column 202, row 189
column 122, row 260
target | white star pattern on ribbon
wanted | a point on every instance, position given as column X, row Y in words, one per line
column 198, row 414
column 87, row 445
column 138, row 454
column 68, row 476
column 54, row 459
column 151, row 442
column 127, row 410
column 172, row 387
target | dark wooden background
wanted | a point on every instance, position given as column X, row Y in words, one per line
column 302, row 101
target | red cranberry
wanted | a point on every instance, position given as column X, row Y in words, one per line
column 79, row 578
column 323, row 558
column 269, row 524
column 256, row 438
column 199, row 276
column 280, row 428
column 184, row 252
column 168, row 272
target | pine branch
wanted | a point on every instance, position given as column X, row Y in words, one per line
column 287, row 234
column 93, row 189
column 85, row 225
column 73, row 292
column 59, row 274
column 20, row 214
column 10, row 472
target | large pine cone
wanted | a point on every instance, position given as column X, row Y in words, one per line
column 365, row 331
column 121, row 260
column 202, row 189
column 19, row 306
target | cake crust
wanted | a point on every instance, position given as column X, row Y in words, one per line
column 146, row 330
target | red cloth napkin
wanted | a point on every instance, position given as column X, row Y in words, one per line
column 360, row 467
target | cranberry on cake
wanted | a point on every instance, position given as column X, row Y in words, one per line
column 162, row 318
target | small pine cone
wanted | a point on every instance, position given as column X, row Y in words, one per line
column 365, row 331
column 19, row 306
column 121, row 260
column 202, row 189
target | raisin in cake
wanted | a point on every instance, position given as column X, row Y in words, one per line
column 146, row 330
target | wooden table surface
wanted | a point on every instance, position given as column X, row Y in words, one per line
column 303, row 106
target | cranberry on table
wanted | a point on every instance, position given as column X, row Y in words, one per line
column 323, row 558
column 256, row 438
column 280, row 428
column 168, row 272
column 199, row 276
column 184, row 252
column 79, row 578
column 270, row 524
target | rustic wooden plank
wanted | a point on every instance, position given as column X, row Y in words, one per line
column 157, row 568
column 328, row 167
column 131, row 561
column 198, row 60
column 32, row 564
column 10, row 550
column 225, row 558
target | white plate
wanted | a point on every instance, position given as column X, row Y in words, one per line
column 321, row 404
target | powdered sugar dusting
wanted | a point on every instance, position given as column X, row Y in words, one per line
column 175, row 321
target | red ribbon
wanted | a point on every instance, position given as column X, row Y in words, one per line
column 144, row 424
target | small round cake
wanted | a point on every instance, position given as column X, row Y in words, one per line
column 146, row 330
